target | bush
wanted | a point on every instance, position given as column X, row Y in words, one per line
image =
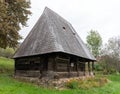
column 72, row 84
column 109, row 64
column 8, row 52
column 86, row 83
column 98, row 67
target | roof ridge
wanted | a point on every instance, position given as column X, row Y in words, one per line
column 46, row 10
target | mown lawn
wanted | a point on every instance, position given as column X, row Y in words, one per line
column 8, row 85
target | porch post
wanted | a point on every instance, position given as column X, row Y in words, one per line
column 93, row 67
column 40, row 68
column 77, row 67
column 89, row 67
column 68, row 66
column 54, row 64
column 84, row 68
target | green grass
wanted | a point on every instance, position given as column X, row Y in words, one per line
column 6, row 65
column 8, row 85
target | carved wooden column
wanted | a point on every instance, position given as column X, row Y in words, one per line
column 54, row 64
column 84, row 68
column 93, row 67
column 40, row 68
column 89, row 67
column 68, row 66
column 77, row 61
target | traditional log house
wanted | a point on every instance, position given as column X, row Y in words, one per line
column 53, row 49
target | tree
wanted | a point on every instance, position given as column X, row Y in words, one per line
column 13, row 15
column 112, row 51
column 114, row 46
column 94, row 42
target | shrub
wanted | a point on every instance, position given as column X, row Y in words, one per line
column 98, row 67
column 86, row 83
column 109, row 64
column 72, row 84
column 8, row 52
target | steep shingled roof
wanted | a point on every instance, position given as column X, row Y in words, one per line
column 52, row 33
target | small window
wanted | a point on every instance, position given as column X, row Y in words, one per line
column 73, row 33
column 64, row 28
column 72, row 64
column 32, row 62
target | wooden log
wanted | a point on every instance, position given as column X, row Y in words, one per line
column 68, row 67
column 50, row 64
column 84, row 69
column 62, row 64
column 54, row 64
column 40, row 68
column 93, row 67
column 89, row 67
column 77, row 67
column 64, row 59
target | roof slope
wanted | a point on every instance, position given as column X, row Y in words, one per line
column 52, row 33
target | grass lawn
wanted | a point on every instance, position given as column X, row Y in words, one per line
column 9, row 85
column 6, row 65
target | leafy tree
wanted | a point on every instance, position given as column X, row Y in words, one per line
column 94, row 42
column 13, row 15
column 114, row 46
column 112, row 52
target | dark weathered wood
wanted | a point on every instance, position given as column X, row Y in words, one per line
column 77, row 68
column 93, row 67
column 64, row 59
column 50, row 64
column 54, row 64
column 68, row 67
column 47, row 64
column 40, row 68
column 61, row 64
column 84, row 69
column 89, row 67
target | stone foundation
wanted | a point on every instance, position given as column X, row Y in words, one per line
column 27, row 73
column 50, row 78
column 50, row 74
column 47, row 82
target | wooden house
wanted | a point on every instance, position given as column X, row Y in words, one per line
column 53, row 49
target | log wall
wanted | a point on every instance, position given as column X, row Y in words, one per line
column 51, row 66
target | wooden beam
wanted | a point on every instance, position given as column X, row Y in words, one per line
column 65, row 59
column 93, row 67
column 54, row 64
column 84, row 69
column 77, row 61
column 68, row 67
column 40, row 66
column 89, row 67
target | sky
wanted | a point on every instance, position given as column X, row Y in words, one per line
column 84, row 15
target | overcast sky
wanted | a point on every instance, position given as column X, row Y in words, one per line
column 84, row 15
